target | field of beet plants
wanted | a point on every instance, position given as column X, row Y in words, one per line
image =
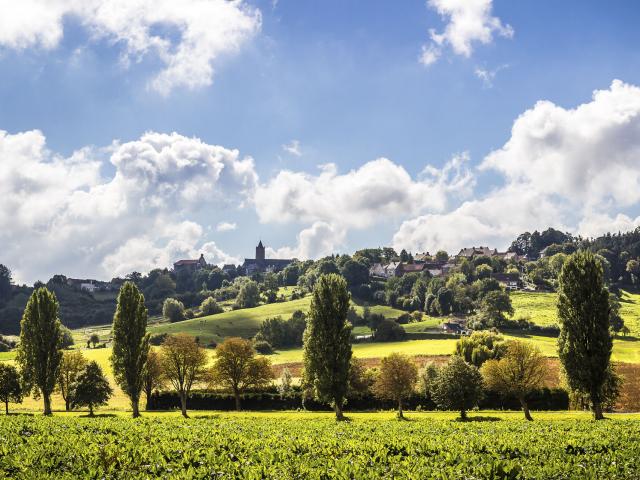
column 299, row 447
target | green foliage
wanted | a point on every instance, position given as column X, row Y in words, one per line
column 67, row 337
column 263, row 347
column 396, row 379
column 388, row 330
column 5, row 283
column 248, row 296
column 585, row 343
column 458, row 386
column 91, row 388
column 10, row 385
column 283, row 333
column 480, row 347
column 209, row 306
column 130, row 343
column 327, row 341
column 39, row 353
column 173, row 310
column 297, row 445
column 493, row 308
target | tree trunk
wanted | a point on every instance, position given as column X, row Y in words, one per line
column 147, row 405
column 91, row 410
column 525, row 409
column 597, row 411
column 236, row 395
column 135, row 407
column 183, row 404
column 338, row 409
column 400, row 414
column 463, row 414
column 6, row 407
column 47, row 403
column 67, row 404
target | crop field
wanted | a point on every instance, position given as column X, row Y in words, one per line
column 314, row 446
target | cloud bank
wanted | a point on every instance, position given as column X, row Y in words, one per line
column 187, row 37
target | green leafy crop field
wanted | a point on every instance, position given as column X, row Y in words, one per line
column 312, row 446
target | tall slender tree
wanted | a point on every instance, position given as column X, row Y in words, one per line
column 327, row 342
column 585, row 343
column 40, row 350
column 130, row 343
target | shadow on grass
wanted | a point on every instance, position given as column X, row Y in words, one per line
column 19, row 414
column 628, row 338
column 478, row 419
column 98, row 415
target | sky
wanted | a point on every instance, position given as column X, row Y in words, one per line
column 136, row 133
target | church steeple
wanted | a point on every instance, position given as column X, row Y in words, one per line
column 260, row 252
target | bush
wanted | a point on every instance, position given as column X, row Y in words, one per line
column 263, row 347
column 157, row 339
column 173, row 310
column 210, row 306
column 389, row 331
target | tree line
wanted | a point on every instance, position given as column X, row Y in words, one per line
column 482, row 360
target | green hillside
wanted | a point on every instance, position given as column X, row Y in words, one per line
column 540, row 308
column 246, row 322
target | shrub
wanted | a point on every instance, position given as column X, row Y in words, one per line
column 389, row 331
column 263, row 347
column 157, row 339
column 210, row 306
column 173, row 310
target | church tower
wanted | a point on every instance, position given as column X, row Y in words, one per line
column 260, row 252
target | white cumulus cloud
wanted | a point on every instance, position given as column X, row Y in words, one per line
column 60, row 215
column 186, row 36
column 226, row 226
column 576, row 169
column 468, row 22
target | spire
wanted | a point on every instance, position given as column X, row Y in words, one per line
column 260, row 244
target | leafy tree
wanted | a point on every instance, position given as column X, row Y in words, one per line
column 39, row 353
column 519, row 372
column 173, row 310
column 94, row 339
column 91, row 388
column 360, row 379
column 389, row 331
column 480, row 347
column 248, row 296
column 152, row 378
column 5, row 283
column 441, row 256
column 236, row 367
column 458, row 386
column 130, row 343
column 633, row 268
column 183, row 363
column 67, row 337
column 285, row 386
column 396, row 380
column 209, row 306
column 10, row 385
column 72, row 364
column 483, row 271
column 327, row 342
column 585, row 343
column 616, row 322
column 355, row 272
column 495, row 304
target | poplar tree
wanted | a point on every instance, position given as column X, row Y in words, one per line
column 40, row 350
column 327, row 342
column 585, row 343
column 130, row 343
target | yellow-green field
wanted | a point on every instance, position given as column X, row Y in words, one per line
column 540, row 308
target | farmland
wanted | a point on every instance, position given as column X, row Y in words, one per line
column 313, row 445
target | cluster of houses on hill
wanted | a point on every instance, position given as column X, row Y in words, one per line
column 92, row 286
column 424, row 262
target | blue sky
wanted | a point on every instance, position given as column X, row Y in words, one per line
column 341, row 79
